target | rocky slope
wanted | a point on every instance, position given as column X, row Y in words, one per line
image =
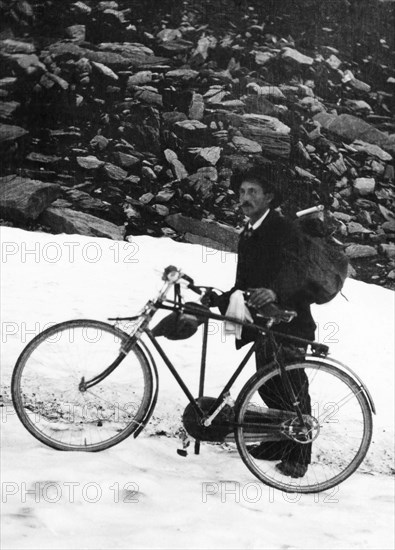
column 124, row 118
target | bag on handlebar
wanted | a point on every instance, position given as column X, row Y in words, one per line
column 180, row 325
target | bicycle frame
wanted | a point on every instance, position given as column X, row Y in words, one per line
column 176, row 305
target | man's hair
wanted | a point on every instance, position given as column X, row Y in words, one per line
column 263, row 176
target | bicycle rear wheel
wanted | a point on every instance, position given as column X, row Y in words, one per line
column 339, row 428
column 46, row 394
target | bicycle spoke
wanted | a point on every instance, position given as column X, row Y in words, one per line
column 47, row 395
column 338, row 429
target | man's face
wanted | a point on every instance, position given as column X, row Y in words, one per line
column 254, row 201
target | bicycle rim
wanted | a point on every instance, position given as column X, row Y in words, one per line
column 46, row 394
column 340, row 429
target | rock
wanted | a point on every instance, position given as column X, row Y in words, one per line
column 146, row 198
column 246, row 145
column 104, row 70
column 28, row 64
column 139, row 79
column 166, row 35
column 269, row 132
column 205, row 43
column 148, row 173
column 76, row 32
column 44, row 160
column 125, row 160
column 272, row 92
column 90, row 162
column 23, row 199
column 356, row 228
column 219, row 236
column 359, row 106
column 11, row 46
column 333, row 62
column 142, row 127
column 338, row 166
column 202, row 183
column 85, row 202
column 65, row 220
column 196, row 108
column 178, row 168
column 261, row 58
column 193, row 132
column 360, row 251
column 60, row 82
column 294, row 57
column 161, row 209
column 149, row 95
column 388, row 250
column 165, row 195
column 10, row 133
column 312, row 105
column 372, row 150
column 205, row 156
column 182, row 74
column 99, row 142
column 364, row 186
column 386, row 213
column 8, row 109
column 114, row 173
column 389, row 226
column 175, row 47
column 342, row 216
column 351, row 128
column 8, row 83
column 81, row 7
column 349, row 79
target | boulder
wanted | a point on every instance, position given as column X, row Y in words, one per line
column 23, row 199
column 364, row 186
column 206, row 232
column 351, row 128
column 8, row 109
column 65, row 220
column 246, row 145
column 90, row 162
column 372, row 150
column 360, row 251
column 292, row 56
column 10, row 133
column 177, row 166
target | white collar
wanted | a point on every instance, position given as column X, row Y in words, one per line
column 258, row 222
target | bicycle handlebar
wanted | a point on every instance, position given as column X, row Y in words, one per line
column 276, row 314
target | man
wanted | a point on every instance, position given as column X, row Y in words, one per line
column 265, row 247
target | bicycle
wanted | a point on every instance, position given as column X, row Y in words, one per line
column 86, row 385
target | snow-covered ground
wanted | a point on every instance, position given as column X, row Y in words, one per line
column 141, row 493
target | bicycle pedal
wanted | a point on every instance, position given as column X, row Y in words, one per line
column 182, row 452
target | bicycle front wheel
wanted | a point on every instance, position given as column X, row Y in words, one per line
column 47, row 394
column 333, row 441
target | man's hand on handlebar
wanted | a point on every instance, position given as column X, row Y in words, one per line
column 210, row 298
column 259, row 297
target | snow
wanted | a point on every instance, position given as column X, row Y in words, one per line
column 141, row 493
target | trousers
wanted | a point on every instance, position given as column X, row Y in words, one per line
column 275, row 396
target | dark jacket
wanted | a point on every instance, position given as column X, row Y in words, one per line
column 265, row 260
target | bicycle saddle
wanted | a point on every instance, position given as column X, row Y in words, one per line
column 275, row 313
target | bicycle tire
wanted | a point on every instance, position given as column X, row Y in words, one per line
column 47, row 398
column 341, row 436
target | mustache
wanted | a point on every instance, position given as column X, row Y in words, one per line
column 245, row 204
